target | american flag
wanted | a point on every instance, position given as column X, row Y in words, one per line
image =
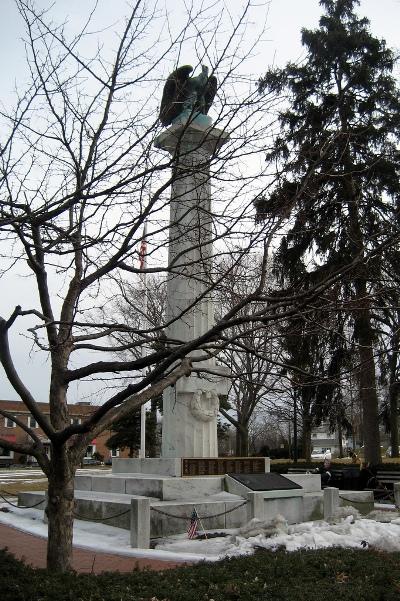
column 193, row 524
column 143, row 250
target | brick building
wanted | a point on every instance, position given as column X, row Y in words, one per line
column 78, row 412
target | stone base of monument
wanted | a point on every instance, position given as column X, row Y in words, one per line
column 153, row 505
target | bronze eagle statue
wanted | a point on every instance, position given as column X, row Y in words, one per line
column 185, row 94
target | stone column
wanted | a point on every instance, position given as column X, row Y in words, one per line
column 191, row 407
column 331, row 502
column 396, row 489
column 140, row 523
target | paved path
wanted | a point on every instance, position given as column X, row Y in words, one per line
column 32, row 550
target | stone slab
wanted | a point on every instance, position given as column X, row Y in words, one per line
column 235, row 487
column 167, row 466
column 291, row 508
column 308, row 482
column 161, row 487
column 313, row 506
column 184, row 488
column 362, row 500
column 265, row 482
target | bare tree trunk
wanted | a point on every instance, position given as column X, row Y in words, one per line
column 367, row 377
column 394, row 397
column 393, row 418
column 295, row 437
column 340, row 440
column 60, row 512
column 306, row 438
column 242, row 439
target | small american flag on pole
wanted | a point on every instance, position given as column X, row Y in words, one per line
column 193, row 524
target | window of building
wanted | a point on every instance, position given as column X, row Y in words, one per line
column 114, row 452
column 75, row 421
column 32, row 423
column 6, row 453
column 90, row 450
column 9, row 423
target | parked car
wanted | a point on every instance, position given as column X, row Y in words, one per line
column 389, row 452
column 90, row 461
column 321, row 454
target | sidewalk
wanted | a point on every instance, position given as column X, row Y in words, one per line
column 32, row 550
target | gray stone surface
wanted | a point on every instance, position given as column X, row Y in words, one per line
column 308, row 482
column 147, row 487
column 290, row 507
column 255, row 505
column 140, row 523
column 26, row 499
column 331, row 502
column 163, row 466
column 191, row 488
column 191, row 407
column 396, row 488
column 235, row 487
column 108, row 484
column 313, row 506
column 362, row 500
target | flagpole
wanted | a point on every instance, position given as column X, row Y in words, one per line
column 201, row 523
column 143, row 265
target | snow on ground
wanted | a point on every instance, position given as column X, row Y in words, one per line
column 30, row 475
column 382, row 532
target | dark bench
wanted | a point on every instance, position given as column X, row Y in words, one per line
column 346, row 478
column 386, row 477
column 382, row 484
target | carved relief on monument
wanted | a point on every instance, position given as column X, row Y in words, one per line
column 204, row 405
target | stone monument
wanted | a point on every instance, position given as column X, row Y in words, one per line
column 191, row 407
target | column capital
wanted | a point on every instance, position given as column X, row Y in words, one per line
column 191, row 137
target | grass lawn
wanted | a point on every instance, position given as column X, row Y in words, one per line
column 16, row 487
column 329, row 575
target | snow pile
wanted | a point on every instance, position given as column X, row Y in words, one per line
column 267, row 528
column 380, row 530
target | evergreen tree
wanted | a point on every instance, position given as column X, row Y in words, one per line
column 126, row 431
column 337, row 148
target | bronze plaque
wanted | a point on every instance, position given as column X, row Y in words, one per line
column 218, row 466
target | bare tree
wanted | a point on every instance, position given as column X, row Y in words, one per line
column 79, row 177
column 252, row 352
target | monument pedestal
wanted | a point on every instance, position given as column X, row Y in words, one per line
column 191, row 466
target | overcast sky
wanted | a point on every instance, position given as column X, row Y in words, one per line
column 280, row 43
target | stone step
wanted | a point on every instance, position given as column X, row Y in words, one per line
column 166, row 517
column 165, row 488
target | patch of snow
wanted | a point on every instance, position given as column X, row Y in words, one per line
column 383, row 533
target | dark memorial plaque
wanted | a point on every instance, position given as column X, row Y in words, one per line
column 267, row 481
column 218, row 466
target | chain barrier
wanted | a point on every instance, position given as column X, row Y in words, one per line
column 355, row 500
column 206, row 517
column 2, row 492
column 110, row 517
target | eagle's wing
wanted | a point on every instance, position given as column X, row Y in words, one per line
column 174, row 94
column 210, row 91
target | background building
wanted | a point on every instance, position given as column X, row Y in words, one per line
column 78, row 412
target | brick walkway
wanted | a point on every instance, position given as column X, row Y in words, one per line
column 32, row 550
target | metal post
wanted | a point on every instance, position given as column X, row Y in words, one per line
column 143, row 265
